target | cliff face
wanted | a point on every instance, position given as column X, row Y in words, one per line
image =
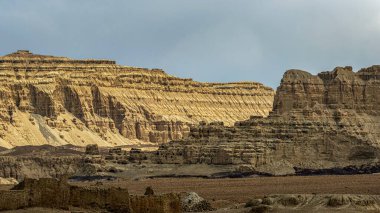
column 328, row 120
column 57, row 100
column 340, row 89
column 40, row 167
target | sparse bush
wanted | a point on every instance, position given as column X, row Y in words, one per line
column 253, row 202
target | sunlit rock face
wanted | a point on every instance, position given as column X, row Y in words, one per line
column 57, row 100
column 339, row 89
column 318, row 121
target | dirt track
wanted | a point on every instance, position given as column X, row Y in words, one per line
column 240, row 190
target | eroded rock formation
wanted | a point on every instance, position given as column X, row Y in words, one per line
column 57, row 100
column 328, row 120
column 58, row 194
column 315, row 203
column 40, row 167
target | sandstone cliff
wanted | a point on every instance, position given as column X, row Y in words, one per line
column 57, row 100
column 328, row 120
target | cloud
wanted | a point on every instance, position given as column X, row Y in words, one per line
column 207, row 40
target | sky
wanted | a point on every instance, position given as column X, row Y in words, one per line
column 206, row 40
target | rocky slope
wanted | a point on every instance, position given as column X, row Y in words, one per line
column 323, row 121
column 315, row 203
column 57, row 100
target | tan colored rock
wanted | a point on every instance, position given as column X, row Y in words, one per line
column 8, row 181
column 317, row 203
column 58, row 194
column 339, row 89
column 57, row 100
column 18, row 167
column 324, row 121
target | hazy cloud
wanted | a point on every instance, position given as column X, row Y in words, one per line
column 207, row 40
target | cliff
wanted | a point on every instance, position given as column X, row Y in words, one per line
column 318, row 121
column 57, row 100
column 339, row 89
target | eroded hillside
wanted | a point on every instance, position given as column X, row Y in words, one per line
column 57, row 100
column 318, row 121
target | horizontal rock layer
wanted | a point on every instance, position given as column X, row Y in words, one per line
column 57, row 100
column 340, row 89
column 39, row 167
column 328, row 120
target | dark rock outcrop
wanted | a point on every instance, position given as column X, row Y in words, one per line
column 92, row 149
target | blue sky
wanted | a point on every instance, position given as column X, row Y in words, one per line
column 207, row 40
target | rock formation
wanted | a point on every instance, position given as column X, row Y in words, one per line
column 192, row 202
column 318, row 121
column 58, row 194
column 41, row 167
column 315, row 203
column 8, row 181
column 92, row 149
column 57, row 100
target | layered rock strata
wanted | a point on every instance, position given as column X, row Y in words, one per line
column 21, row 167
column 57, row 100
column 318, row 121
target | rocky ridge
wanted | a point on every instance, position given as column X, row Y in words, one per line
column 57, row 100
column 315, row 203
column 318, row 121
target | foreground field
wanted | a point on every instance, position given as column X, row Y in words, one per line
column 350, row 193
column 242, row 189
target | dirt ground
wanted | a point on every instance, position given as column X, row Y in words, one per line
column 242, row 189
column 224, row 194
column 239, row 190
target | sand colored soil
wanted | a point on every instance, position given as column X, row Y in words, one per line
column 242, row 189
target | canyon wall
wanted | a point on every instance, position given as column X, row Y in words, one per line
column 57, row 100
column 318, row 121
